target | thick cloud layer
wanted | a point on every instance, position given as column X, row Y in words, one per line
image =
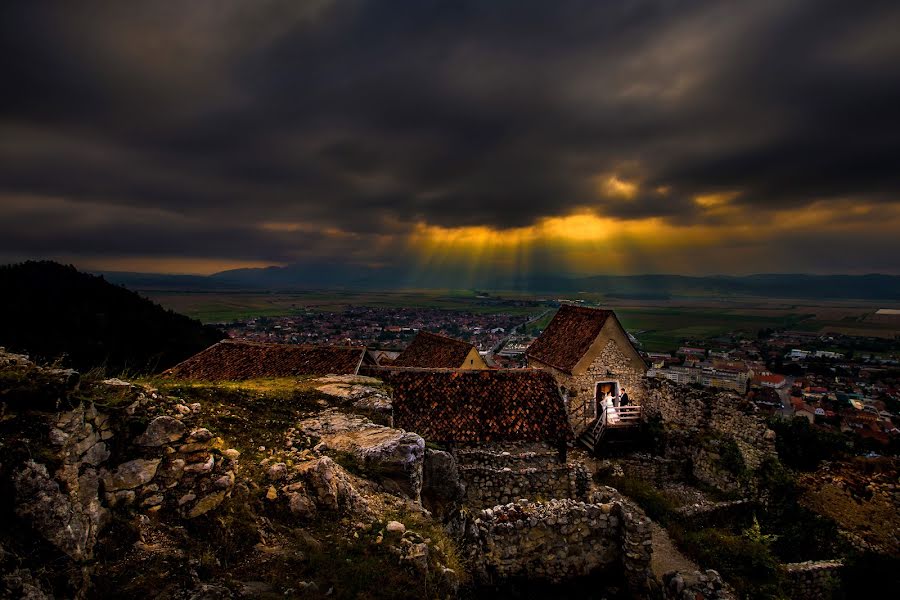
column 279, row 131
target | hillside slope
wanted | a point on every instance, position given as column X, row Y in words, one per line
column 111, row 489
column 53, row 311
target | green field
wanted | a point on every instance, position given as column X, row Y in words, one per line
column 217, row 307
column 660, row 325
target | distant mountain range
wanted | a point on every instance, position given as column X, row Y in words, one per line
column 338, row 276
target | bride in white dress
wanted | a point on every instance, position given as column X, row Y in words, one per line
column 612, row 415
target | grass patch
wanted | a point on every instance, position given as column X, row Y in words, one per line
column 748, row 564
column 657, row 505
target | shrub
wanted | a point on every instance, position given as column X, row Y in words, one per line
column 731, row 458
column 747, row 564
column 801, row 446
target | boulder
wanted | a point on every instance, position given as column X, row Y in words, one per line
column 70, row 519
column 322, row 484
column 392, row 457
column 96, row 454
column 395, row 527
column 161, row 430
column 442, row 489
column 206, row 504
column 344, row 391
column 131, row 474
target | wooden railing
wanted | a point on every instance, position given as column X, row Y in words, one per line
column 581, row 413
column 625, row 416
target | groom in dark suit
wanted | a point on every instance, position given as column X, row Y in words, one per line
column 623, row 398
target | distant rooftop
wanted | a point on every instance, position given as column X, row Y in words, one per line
column 239, row 360
column 430, row 350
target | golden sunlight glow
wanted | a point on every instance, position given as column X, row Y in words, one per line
column 716, row 200
column 616, row 187
column 589, row 243
column 156, row 264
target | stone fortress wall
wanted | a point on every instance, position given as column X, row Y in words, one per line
column 692, row 415
column 561, row 539
column 812, row 580
column 530, row 515
column 499, row 475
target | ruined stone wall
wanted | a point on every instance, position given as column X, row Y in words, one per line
column 812, row 580
column 510, row 455
column 560, row 539
column 706, row 467
column 502, row 473
column 678, row 407
column 658, row 469
column 94, row 462
column 487, row 486
column 730, row 415
column 694, row 419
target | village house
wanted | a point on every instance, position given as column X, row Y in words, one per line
column 589, row 354
column 770, row 380
column 433, row 351
column 237, row 360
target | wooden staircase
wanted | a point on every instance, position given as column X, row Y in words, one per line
column 627, row 418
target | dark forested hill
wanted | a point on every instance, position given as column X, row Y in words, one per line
column 54, row 311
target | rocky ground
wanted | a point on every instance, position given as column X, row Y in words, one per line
column 862, row 496
column 185, row 490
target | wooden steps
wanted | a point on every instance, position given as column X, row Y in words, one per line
column 626, row 418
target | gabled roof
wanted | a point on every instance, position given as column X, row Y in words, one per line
column 433, row 351
column 238, row 360
column 479, row 406
column 568, row 336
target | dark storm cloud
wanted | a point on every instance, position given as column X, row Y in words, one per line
column 210, row 118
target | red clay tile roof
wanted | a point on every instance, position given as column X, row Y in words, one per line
column 479, row 406
column 238, row 360
column 433, row 351
column 568, row 336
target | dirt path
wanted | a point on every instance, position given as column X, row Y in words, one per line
column 666, row 557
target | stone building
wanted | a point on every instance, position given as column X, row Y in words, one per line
column 588, row 353
column 433, row 351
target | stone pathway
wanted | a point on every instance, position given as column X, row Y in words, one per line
column 666, row 557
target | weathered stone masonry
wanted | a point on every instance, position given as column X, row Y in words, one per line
column 691, row 416
column 489, row 487
column 495, row 475
column 812, row 580
column 560, row 539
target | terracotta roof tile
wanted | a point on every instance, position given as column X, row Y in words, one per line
column 433, row 351
column 479, row 406
column 238, row 360
column 568, row 336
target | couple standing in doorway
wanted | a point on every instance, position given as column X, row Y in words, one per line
column 619, row 400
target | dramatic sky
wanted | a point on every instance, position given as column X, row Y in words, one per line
column 582, row 137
